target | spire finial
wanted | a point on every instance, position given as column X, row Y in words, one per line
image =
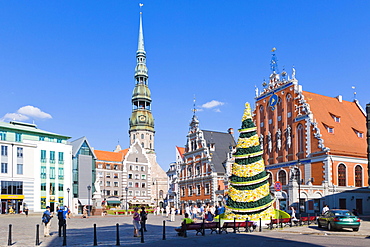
column 194, row 109
column 140, row 46
column 247, row 112
column 273, row 63
column 354, row 92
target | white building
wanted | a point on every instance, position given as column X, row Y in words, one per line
column 35, row 168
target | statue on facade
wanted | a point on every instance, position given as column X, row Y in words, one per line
column 269, row 142
column 278, row 137
column 288, row 136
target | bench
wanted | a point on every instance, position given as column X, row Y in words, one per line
column 284, row 222
column 308, row 219
column 237, row 225
column 198, row 227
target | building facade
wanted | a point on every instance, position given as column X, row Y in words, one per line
column 35, row 168
column 314, row 145
column 201, row 172
column 83, row 175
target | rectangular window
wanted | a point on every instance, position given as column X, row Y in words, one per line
column 2, row 135
column 108, row 175
column 108, row 183
column 4, row 167
column 61, row 158
column 19, row 152
column 107, row 166
column 43, row 186
column 52, row 189
column 143, row 176
column 190, row 190
column 142, row 168
column 207, row 189
column 289, row 114
column 43, row 156
column 136, row 176
column 115, row 175
column 60, row 173
column 60, row 187
column 43, row 203
column 143, row 193
column 59, row 140
column 43, row 172
column 130, row 184
column 100, row 166
column 20, row 169
column 41, row 138
column 52, row 172
column 136, row 185
column 198, row 189
column 183, row 191
column 52, row 157
column 115, row 184
column 108, row 192
column 137, row 193
column 142, row 185
column 130, row 192
column 18, row 137
column 4, row 150
column 115, row 167
column 115, row 192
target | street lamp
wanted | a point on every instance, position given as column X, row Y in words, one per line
column 298, row 178
column 88, row 199
column 126, row 189
column 68, row 190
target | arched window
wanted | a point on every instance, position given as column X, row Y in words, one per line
column 133, row 137
column 358, row 176
column 270, row 178
column 150, row 146
column 142, row 136
column 282, row 177
column 342, row 181
column 300, row 140
column 142, row 144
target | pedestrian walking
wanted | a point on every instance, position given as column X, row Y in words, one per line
column 62, row 215
column 136, row 222
column 46, row 219
column 167, row 211
column 26, row 211
column 195, row 211
column 143, row 218
column 84, row 212
column 173, row 213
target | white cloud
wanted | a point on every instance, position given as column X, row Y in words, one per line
column 212, row 104
column 25, row 113
column 32, row 111
column 14, row 116
column 217, row 110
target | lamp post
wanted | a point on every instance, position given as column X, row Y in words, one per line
column 88, row 199
column 68, row 190
column 126, row 189
column 298, row 178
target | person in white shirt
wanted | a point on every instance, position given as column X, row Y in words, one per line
column 325, row 208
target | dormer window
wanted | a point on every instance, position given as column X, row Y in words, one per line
column 329, row 129
column 336, row 118
column 359, row 134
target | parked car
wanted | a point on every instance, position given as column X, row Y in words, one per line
column 339, row 219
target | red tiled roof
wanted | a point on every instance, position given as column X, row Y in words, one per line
column 124, row 152
column 181, row 151
column 109, row 156
column 344, row 140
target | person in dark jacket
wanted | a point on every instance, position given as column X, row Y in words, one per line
column 61, row 219
column 143, row 218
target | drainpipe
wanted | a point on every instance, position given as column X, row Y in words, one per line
column 368, row 139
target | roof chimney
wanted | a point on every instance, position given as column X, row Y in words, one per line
column 231, row 131
column 339, row 98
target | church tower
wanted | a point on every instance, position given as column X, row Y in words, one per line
column 141, row 121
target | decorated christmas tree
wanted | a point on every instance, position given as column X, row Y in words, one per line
column 249, row 189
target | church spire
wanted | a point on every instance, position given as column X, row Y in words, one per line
column 141, row 121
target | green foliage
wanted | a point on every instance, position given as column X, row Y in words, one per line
column 245, row 205
column 250, row 187
column 248, row 123
column 254, row 149
column 249, row 160
column 234, row 178
column 248, row 134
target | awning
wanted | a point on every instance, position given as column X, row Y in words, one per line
column 84, row 201
column 113, row 202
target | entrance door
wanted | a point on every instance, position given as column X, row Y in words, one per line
column 359, row 205
column 342, row 203
column 52, row 207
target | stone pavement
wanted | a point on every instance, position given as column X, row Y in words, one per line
column 80, row 232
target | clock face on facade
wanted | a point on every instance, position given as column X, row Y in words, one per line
column 142, row 118
column 273, row 101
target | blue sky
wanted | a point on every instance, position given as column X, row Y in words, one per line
column 69, row 65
